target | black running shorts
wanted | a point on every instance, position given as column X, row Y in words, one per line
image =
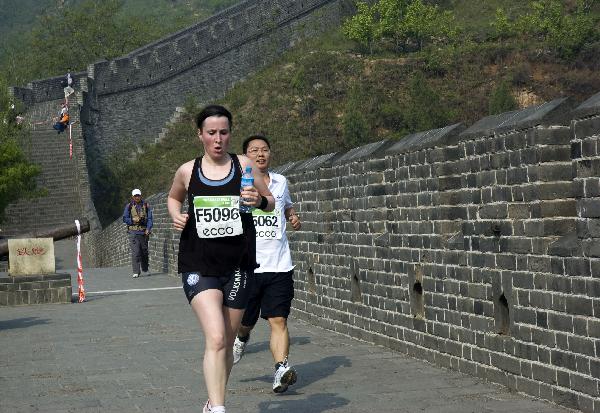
column 235, row 287
column 271, row 295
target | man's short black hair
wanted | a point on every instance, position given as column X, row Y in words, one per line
column 254, row 137
column 213, row 110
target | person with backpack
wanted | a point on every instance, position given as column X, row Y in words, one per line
column 138, row 217
column 63, row 119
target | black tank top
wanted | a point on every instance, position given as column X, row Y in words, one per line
column 216, row 256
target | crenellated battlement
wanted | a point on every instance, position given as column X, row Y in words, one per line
column 129, row 98
column 180, row 51
column 44, row 90
column 190, row 47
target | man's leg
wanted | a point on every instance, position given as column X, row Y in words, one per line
column 276, row 305
column 285, row 375
column 144, row 252
column 280, row 339
column 135, row 254
column 249, row 320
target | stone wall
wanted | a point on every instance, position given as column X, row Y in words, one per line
column 35, row 289
column 475, row 249
column 131, row 97
column 64, row 176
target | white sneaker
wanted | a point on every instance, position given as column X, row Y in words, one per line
column 238, row 349
column 208, row 408
column 285, row 376
column 135, row 275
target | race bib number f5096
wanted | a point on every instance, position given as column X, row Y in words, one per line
column 267, row 224
column 217, row 216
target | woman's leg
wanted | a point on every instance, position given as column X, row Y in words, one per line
column 208, row 307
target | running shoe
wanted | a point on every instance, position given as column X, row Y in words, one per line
column 285, row 376
column 207, row 407
column 238, row 349
column 135, row 275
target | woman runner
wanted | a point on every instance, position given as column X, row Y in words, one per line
column 217, row 247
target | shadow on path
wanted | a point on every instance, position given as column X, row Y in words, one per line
column 264, row 345
column 22, row 323
column 310, row 372
column 315, row 403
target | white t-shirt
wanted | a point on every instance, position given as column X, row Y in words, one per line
column 273, row 253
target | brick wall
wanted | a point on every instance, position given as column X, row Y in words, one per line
column 59, row 175
column 131, row 97
column 474, row 249
column 35, row 289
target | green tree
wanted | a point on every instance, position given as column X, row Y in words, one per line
column 566, row 31
column 390, row 14
column 406, row 24
column 361, row 27
column 502, row 99
column 17, row 175
column 423, row 23
column 502, row 26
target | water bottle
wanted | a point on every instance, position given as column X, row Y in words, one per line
column 247, row 180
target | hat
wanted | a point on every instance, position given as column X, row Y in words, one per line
column 136, row 192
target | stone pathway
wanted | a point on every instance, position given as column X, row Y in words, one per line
column 136, row 347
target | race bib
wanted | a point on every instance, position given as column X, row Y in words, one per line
column 217, row 216
column 267, row 224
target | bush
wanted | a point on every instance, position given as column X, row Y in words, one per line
column 502, row 27
column 501, row 99
column 354, row 122
column 17, row 174
column 521, row 74
column 424, row 111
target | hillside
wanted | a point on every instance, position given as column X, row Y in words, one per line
column 42, row 38
column 331, row 93
column 328, row 95
column 18, row 16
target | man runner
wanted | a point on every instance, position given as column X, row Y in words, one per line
column 273, row 287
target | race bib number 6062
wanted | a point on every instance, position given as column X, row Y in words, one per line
column 267, row 224
column 217, row 216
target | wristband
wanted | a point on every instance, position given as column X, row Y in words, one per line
column 263, row 202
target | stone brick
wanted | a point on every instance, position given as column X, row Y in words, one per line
column 564, row 398
column 581, row 345
column 560, row 322
column 543, row 374
column 551, row 172
column 563, row 359
column 579, row 305
column 589, row 208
